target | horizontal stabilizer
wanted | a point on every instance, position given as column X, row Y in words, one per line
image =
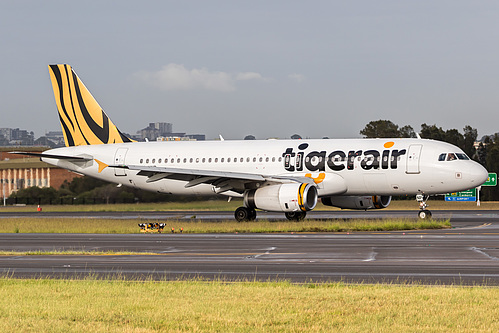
column 59, row 157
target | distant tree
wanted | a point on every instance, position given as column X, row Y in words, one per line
column 83, row 184
column 470, row 135
column 454, row 137
column 249, row 137
column 407, row 132
column 381, row 129
column 35, row 195
column 492, row 165
column 481, row 154
column 432, row 132
column 296, row 137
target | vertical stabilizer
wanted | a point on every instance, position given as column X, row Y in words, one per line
column 82, row 119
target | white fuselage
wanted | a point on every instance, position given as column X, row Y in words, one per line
column 340, row 167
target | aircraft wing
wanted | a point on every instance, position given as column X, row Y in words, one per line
column 223, row 181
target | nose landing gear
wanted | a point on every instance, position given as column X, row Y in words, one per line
column 423, row 212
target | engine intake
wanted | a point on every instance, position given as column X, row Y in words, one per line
column 282, row 198
column 362, row 202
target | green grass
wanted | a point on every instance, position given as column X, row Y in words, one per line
column 196, row 306
column 221, row 205
column 126, row 226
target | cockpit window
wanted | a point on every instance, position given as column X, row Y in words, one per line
column 452, row 157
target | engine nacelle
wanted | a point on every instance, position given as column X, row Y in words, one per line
column 282, row 198
column 363, row 202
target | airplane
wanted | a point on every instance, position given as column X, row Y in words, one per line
column 287, row 176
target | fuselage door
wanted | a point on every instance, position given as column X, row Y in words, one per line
column 413, row 156
column 119, row 159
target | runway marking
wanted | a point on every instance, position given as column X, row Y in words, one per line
column 480, row 250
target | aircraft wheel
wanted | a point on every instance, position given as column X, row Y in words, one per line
column 424, row 214
column 243, row 214
column 252, row 215
column 295, row 216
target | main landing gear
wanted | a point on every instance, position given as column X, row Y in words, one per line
column 245, row 214
column 423, row 212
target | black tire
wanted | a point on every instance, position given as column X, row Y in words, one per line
column 242, row 214
column 252, row 215
column 424, row 214
column 295, row 216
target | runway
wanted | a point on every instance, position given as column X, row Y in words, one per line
column 467, row 254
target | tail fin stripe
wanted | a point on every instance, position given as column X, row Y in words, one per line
column 69, row 137
column 58, row 77
column 100, row 132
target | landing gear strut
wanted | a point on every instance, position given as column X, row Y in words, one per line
column 423, row 212
column 244, row 214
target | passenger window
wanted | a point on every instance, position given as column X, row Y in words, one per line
column 273, row 159
column 209, row 160
column 261, row 159
column 216, row 160
column 178, row 160
column 159, row 161
column 172, row 160
column 197, row 160
column 185, row 160
column 254, row 159
column 204, row 160
column 228, row 160
column 153, row 160
column 267, row 160
column 147, row 160
column 141, row 160
column 241, row 160
column 222, row 160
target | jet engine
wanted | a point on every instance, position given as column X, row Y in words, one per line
column 362, row 202
column 293, row 197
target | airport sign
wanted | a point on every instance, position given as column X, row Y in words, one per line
column 492, row 180
column 469, row 195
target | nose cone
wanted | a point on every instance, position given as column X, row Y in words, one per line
column 477, row 174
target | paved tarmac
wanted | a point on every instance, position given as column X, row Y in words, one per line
column 467, row 254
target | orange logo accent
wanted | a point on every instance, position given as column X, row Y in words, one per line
column 102, row 165
column 317, row 180
column 389, row 144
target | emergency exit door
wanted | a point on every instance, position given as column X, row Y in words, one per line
column 413, row 157
column 119, row 159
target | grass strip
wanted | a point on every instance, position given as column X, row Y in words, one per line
column 43, row 305
column 221, row 205
column 127, row 226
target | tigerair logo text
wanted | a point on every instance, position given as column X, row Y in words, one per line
column 340, row 160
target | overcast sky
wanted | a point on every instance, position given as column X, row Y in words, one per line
column 267, row 68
